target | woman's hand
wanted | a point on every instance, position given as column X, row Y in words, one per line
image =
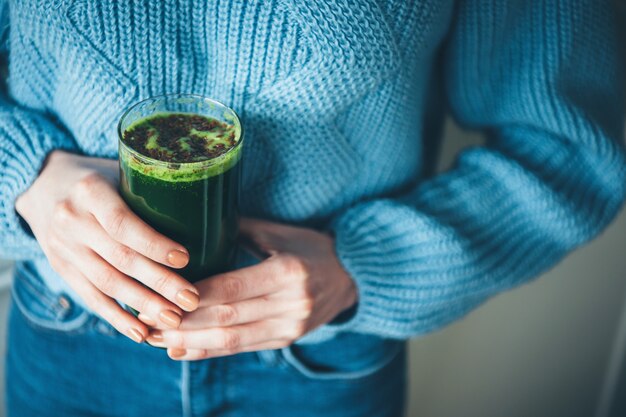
column 96, row 243
column 300, row 286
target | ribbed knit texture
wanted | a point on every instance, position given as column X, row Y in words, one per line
column 338, row 99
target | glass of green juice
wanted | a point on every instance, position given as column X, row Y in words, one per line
column 180, row 171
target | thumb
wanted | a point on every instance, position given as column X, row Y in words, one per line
column 255, row 236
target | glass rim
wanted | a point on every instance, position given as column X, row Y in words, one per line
column 165, row 164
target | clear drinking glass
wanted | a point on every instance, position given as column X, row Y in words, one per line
column 193, row 203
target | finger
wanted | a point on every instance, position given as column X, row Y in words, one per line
column 155, row 276
column 257, row 227
column 198, row 354
column 147, row 320
column 247, row 311
column 113, row 283
column 161, row 323
column 271, row 237
column 231, row 339
column 103, row 305
column 98, row 197
column 269, row 276
column 256, row 238
column 263, row 238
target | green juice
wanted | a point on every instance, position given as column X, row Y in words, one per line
column 180, row 172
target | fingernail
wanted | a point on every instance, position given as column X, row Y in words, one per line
column 170, row 318
column 146, row 319
column 156, row 335
column 177, row 353
column 177, row 258
column 187, row 300
column 155, row 338
column 135, row 335
column 155, row 343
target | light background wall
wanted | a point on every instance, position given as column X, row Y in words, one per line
column 5, row 277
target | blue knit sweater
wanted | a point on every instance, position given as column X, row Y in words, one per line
column 342, row 102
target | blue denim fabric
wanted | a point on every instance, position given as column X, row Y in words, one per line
column 64, row 361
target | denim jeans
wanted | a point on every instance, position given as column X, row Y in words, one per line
column 65, row 361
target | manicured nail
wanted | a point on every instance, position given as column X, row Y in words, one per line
column 156, row 335
column 176, row 353
column 187, row 300
column 155, row 338
column 177, row 258
column 170, row 318
column 146, row 319
column 135, row 335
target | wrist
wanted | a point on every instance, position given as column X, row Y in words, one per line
column 352, row 295
column 24, row 201
column 348, row 307
column 350, row 292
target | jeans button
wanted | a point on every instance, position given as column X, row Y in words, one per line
column 64, row 302
column 64, row 306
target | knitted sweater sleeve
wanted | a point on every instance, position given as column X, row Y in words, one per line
column 541, row 79
column 26, row 138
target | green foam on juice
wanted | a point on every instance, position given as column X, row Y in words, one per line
column 190, row 146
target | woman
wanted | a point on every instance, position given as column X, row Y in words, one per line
column 363, row 248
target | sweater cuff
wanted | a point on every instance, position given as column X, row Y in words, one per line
column 27, row 139
column 358, row 247
column 372, row 249
column 384, row 256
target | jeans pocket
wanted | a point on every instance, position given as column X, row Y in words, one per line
column 348, row 356
column 42, row 308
